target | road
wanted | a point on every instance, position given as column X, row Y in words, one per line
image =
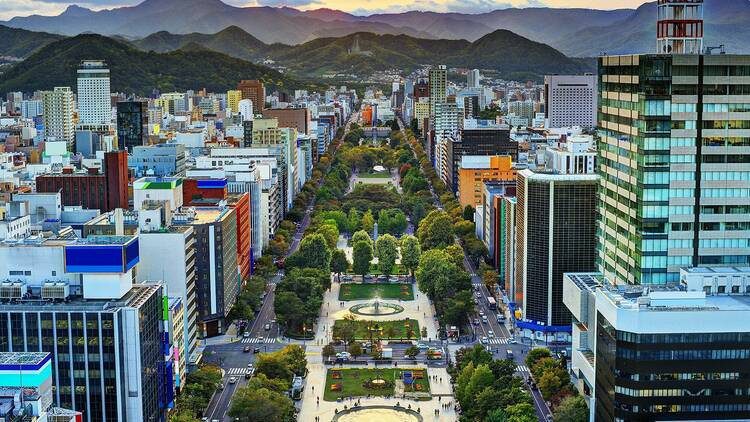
column 501, row 341
column 231, row 357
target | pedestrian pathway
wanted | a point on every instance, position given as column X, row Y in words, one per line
column 498, row 341
column 256, row 340
column 522, row 368
column 236, row 371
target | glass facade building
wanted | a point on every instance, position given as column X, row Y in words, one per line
column 674, row 132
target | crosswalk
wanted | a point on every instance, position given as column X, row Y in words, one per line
column 498, row 341
column 256, row 340
column 236, row 371
column 522, row 368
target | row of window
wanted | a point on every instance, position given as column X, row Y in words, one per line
column 716, row 354
column 726, row 108
column 718, row 124
column 689, row 376
column 680, row 392
column 728, row 141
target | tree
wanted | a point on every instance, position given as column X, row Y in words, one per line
column 183, row 416
column 412, row 351
column 535, row 355
column 362, row 252
column 330, row 233
column 314, row 252
column 368, row 222
column 355, row 349
column 553, row 381
column 353, row 220
column 261, row 405
column 346, row 329
column 417, row 213
column 522, row 412
column 295, row 358
column 390, row 332
column 289, row 309
column 339, row 262
column 469, row 213
column 387, row 249
column 273, row 365
column 435, row 230
column 490, row 278
column 328, row 350
column 572, row 409
column 410, row 253
column 392, row 221
column 361, row 235
column 463, row 228
column 273, row 384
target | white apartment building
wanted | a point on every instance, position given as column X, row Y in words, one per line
column 94, row 104
column 59, row 106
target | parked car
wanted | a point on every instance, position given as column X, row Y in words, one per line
column 344, row 355
column 393, row 279
column 382, row 279
column 347, row 277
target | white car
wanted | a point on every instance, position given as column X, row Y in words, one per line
column 491, row 334
column 344, row 355
column 232, row 380
column 485, row 340
column 422, row 346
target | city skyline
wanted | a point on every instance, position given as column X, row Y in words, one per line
column 18, row 8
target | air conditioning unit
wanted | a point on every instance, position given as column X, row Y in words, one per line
column 54, row 291
column 12, row 290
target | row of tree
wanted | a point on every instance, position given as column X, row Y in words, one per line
column 553, row 380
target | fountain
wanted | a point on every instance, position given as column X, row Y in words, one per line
column 378, row 414
column 376, row 308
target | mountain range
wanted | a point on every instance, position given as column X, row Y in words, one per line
column 511, row 55
column 574, row 32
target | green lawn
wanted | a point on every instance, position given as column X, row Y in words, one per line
column 351, row 382
column 359, row 291
column 363, row 327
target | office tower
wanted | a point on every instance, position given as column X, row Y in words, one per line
column 438, row 86
column 298, row 118
column 173, row 103
column 254, row 91
column 492, row 217
column 523, row 110
column 233, row 100
column 75, row 299
column 421, row 90
column 158, row 160
column 245, row 108
column 679, row 27
column 481, row 138
column 475, row 170
column 422, row 111
column 471, row 106
column 674, row 187
column 658, row 353
column 555, row 234
column 570, row 100
column 282, row 141
column 472, row 78
column 506, row 250
column 132, row 124
column 59, row 106
column 94, row 104
column 31, row 109
column 92, row 189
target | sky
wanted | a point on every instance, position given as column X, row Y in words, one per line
column 11, row 8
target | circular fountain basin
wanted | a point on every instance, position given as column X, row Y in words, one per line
column 378, row 414
column 370, row 309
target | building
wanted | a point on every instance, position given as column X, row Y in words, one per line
column 675, row 190
column 472, row 78
column 94, row 103
column 575, row 155
column 103, row 190
column 505, row 251
column 555, row 234
column 233, row 100
column 438, row 86
column 59, row 107
column 245, row 108
column 474, row 171
column 75, row 299
column 254, row 91
column 217, row 277
column 661, row 353
column 422, row 112
column 169, row 190
column 478, row 141
column 282, row 141
column 679, row 27
column 570, row 100
column 132, row 124
column 160, row 160
column 523, row 110
column 31, row 109
column 297, row 118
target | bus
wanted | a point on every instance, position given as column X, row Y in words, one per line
column 491, row 302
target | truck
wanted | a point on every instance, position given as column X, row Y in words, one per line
column 491, row 303
column 387, row 353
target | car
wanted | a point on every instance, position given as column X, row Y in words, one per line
column 393, row 279
column 267, row 327
column 344, row 355
column 250, row 366
column 248, row 374
column 512, row 341
column 477, row 294
column 220, row 386
column 382, row 279
column 256, row 349
column 508, row 354
column 491, row 334
column 500, row 318
column 484, row 319
column 232, row 380
column 481, row 312
column 261, row 339
column 347, row 277
column 549, row 417
column 273, row 321
column 476, row 287
column 246, row 334
column 476, row 321
column 246, row 349
column 485, row 340
column 422, row 346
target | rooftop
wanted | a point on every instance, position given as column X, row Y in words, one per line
column 23, row 358
column 133, row 298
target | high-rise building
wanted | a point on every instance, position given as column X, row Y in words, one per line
column 570, row 100
column 94, row 103
column 524, row 110
column 438, row 89
column 254, row 91
column 482, row 139
column 661, row 353
column 31, row 109
column 474, row 171
column 675, row 189
column 132, row 124
column 679, row 27
column 233, row 100
column 245, row 108
column 59, row 106
column 472, row 78
column 158, row 160
column 298, row 118
column 555, row 234
column 421, row 90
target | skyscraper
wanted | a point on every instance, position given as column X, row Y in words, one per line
column 255, row 91
column 473, row 78
column 438, row 89
column 679, row 27
column 675, row 190
column 94, row 108
column 570, row 100
column 233, row 99
column 132, row 124
column 245, row 108
column 59, row 106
